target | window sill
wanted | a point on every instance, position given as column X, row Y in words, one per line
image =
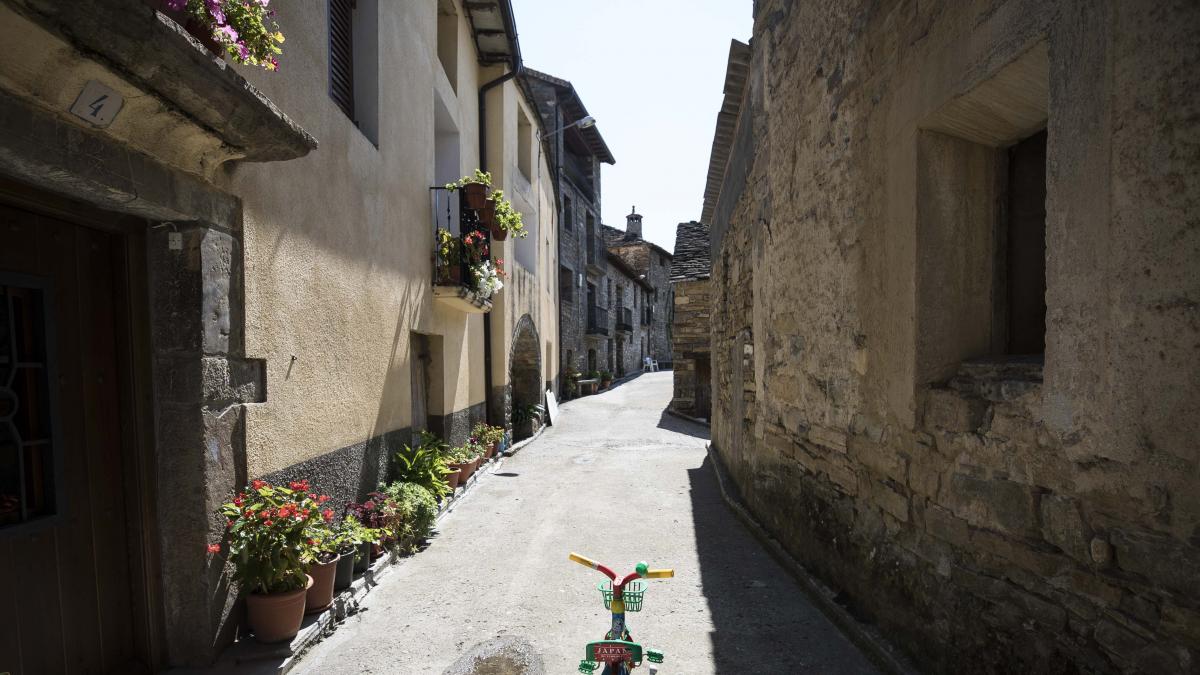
column 1000, row 378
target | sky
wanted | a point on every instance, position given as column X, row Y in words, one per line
column 651, row 73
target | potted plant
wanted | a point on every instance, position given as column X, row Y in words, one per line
column 449, row 258
column 474, row 189
column 508, row 219
column 424, row 465
column 605, row 378
column 353, row 541
column 459, row 460
column 488, row 277
column 268, row 535
column 322, row 558
column 371, row 514
column 244, row 31
column 488, row 436
column 487, row 215
column 416, row 509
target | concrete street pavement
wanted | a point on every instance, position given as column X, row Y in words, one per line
column 619, row 481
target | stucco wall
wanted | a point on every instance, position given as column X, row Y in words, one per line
column 338, row 245
column 997, row 519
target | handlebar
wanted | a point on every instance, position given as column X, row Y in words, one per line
column 642, row 571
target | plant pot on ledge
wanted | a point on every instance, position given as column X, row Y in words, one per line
column 201, row 32
column 487, row 215
column 320, row 592
column 499, row 233
column 450, row 275
column 276, row 617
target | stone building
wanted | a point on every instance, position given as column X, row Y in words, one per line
column 653, row 264
column 205, row 294
column 575, row 155
column 955, row 331
column 692, row 321
column 627, row 291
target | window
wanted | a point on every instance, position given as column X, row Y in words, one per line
column 1024, row 240
column 568, row 217
column 447, row 41
column 354, row 62
column 566, row 285
column 27, row 461
column 524, row 144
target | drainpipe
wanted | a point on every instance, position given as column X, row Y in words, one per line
column 516, row 66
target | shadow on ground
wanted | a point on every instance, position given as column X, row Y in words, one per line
column 681, row 426
column 762, row 621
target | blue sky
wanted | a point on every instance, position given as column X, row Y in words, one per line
column 651, row 73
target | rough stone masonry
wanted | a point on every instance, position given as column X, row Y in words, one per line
column 993, row 511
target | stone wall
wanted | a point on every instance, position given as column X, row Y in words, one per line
column 690, row 342
column 990, row 514
column 656, row 265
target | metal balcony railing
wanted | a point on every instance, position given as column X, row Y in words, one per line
column 597, row 320
column 625, row 319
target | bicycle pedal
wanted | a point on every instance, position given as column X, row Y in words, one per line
column 654, row 656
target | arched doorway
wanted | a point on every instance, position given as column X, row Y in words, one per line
column 525, row 379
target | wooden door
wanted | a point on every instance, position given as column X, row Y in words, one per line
column 68, row 603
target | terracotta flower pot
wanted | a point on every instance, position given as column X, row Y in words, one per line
column 492, row 450
column 469, row 469
column 320, row 593
column 487, row 214
column 345, row 571
column 276, row 617
column 377, row 550
column 453, row 477
column 475, row 195
column 362, row 562
column 499, row 233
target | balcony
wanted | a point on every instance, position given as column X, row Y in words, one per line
column 150, row 50
column 454, row 282
column 624, row 320
column 597, row 320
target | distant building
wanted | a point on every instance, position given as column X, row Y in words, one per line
column 575, row 156
column 653, row 264
column 690, row 337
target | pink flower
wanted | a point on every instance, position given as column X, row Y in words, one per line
column 230, row 35
column 176, row 5
column 214, row 548
column 214, row 10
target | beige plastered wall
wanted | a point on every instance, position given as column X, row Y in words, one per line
column 338, row 244
column 527, row 292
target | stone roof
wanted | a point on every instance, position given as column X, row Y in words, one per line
column 574, row 109
column 614, row 237
column 620, row 265
column 727, row 121
column 691, row 261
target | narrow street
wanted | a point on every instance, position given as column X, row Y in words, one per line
column 618, row 481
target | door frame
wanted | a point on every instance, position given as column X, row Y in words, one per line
column 134, row 365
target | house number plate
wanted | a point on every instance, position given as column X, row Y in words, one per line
column 97, row 104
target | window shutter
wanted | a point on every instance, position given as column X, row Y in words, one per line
column 341, row 54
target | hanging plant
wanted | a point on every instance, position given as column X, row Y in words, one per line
column 246, row 29
column 474, row 188
column 508, row 219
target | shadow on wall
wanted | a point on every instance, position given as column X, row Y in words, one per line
column 762, row 621
column 385, row 440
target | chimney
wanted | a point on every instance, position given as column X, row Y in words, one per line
column 633, row 223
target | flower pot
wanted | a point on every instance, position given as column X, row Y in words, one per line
column 499, row 233
column 345, row 571
column 320, row 592
column 492, row 450
column 487, row 214
column 362, row 562
column 450, row 274
column 472, row 466
column 377, row 550
column 475, row 195
column 453, row 477
column 201, row 32
column 276, row 617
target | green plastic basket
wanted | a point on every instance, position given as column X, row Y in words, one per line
column 632, row 595
column 588, row 666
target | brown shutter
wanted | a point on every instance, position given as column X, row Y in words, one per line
column 341, row 54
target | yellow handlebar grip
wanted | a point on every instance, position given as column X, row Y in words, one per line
column 587, row 562
column 660, row 574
